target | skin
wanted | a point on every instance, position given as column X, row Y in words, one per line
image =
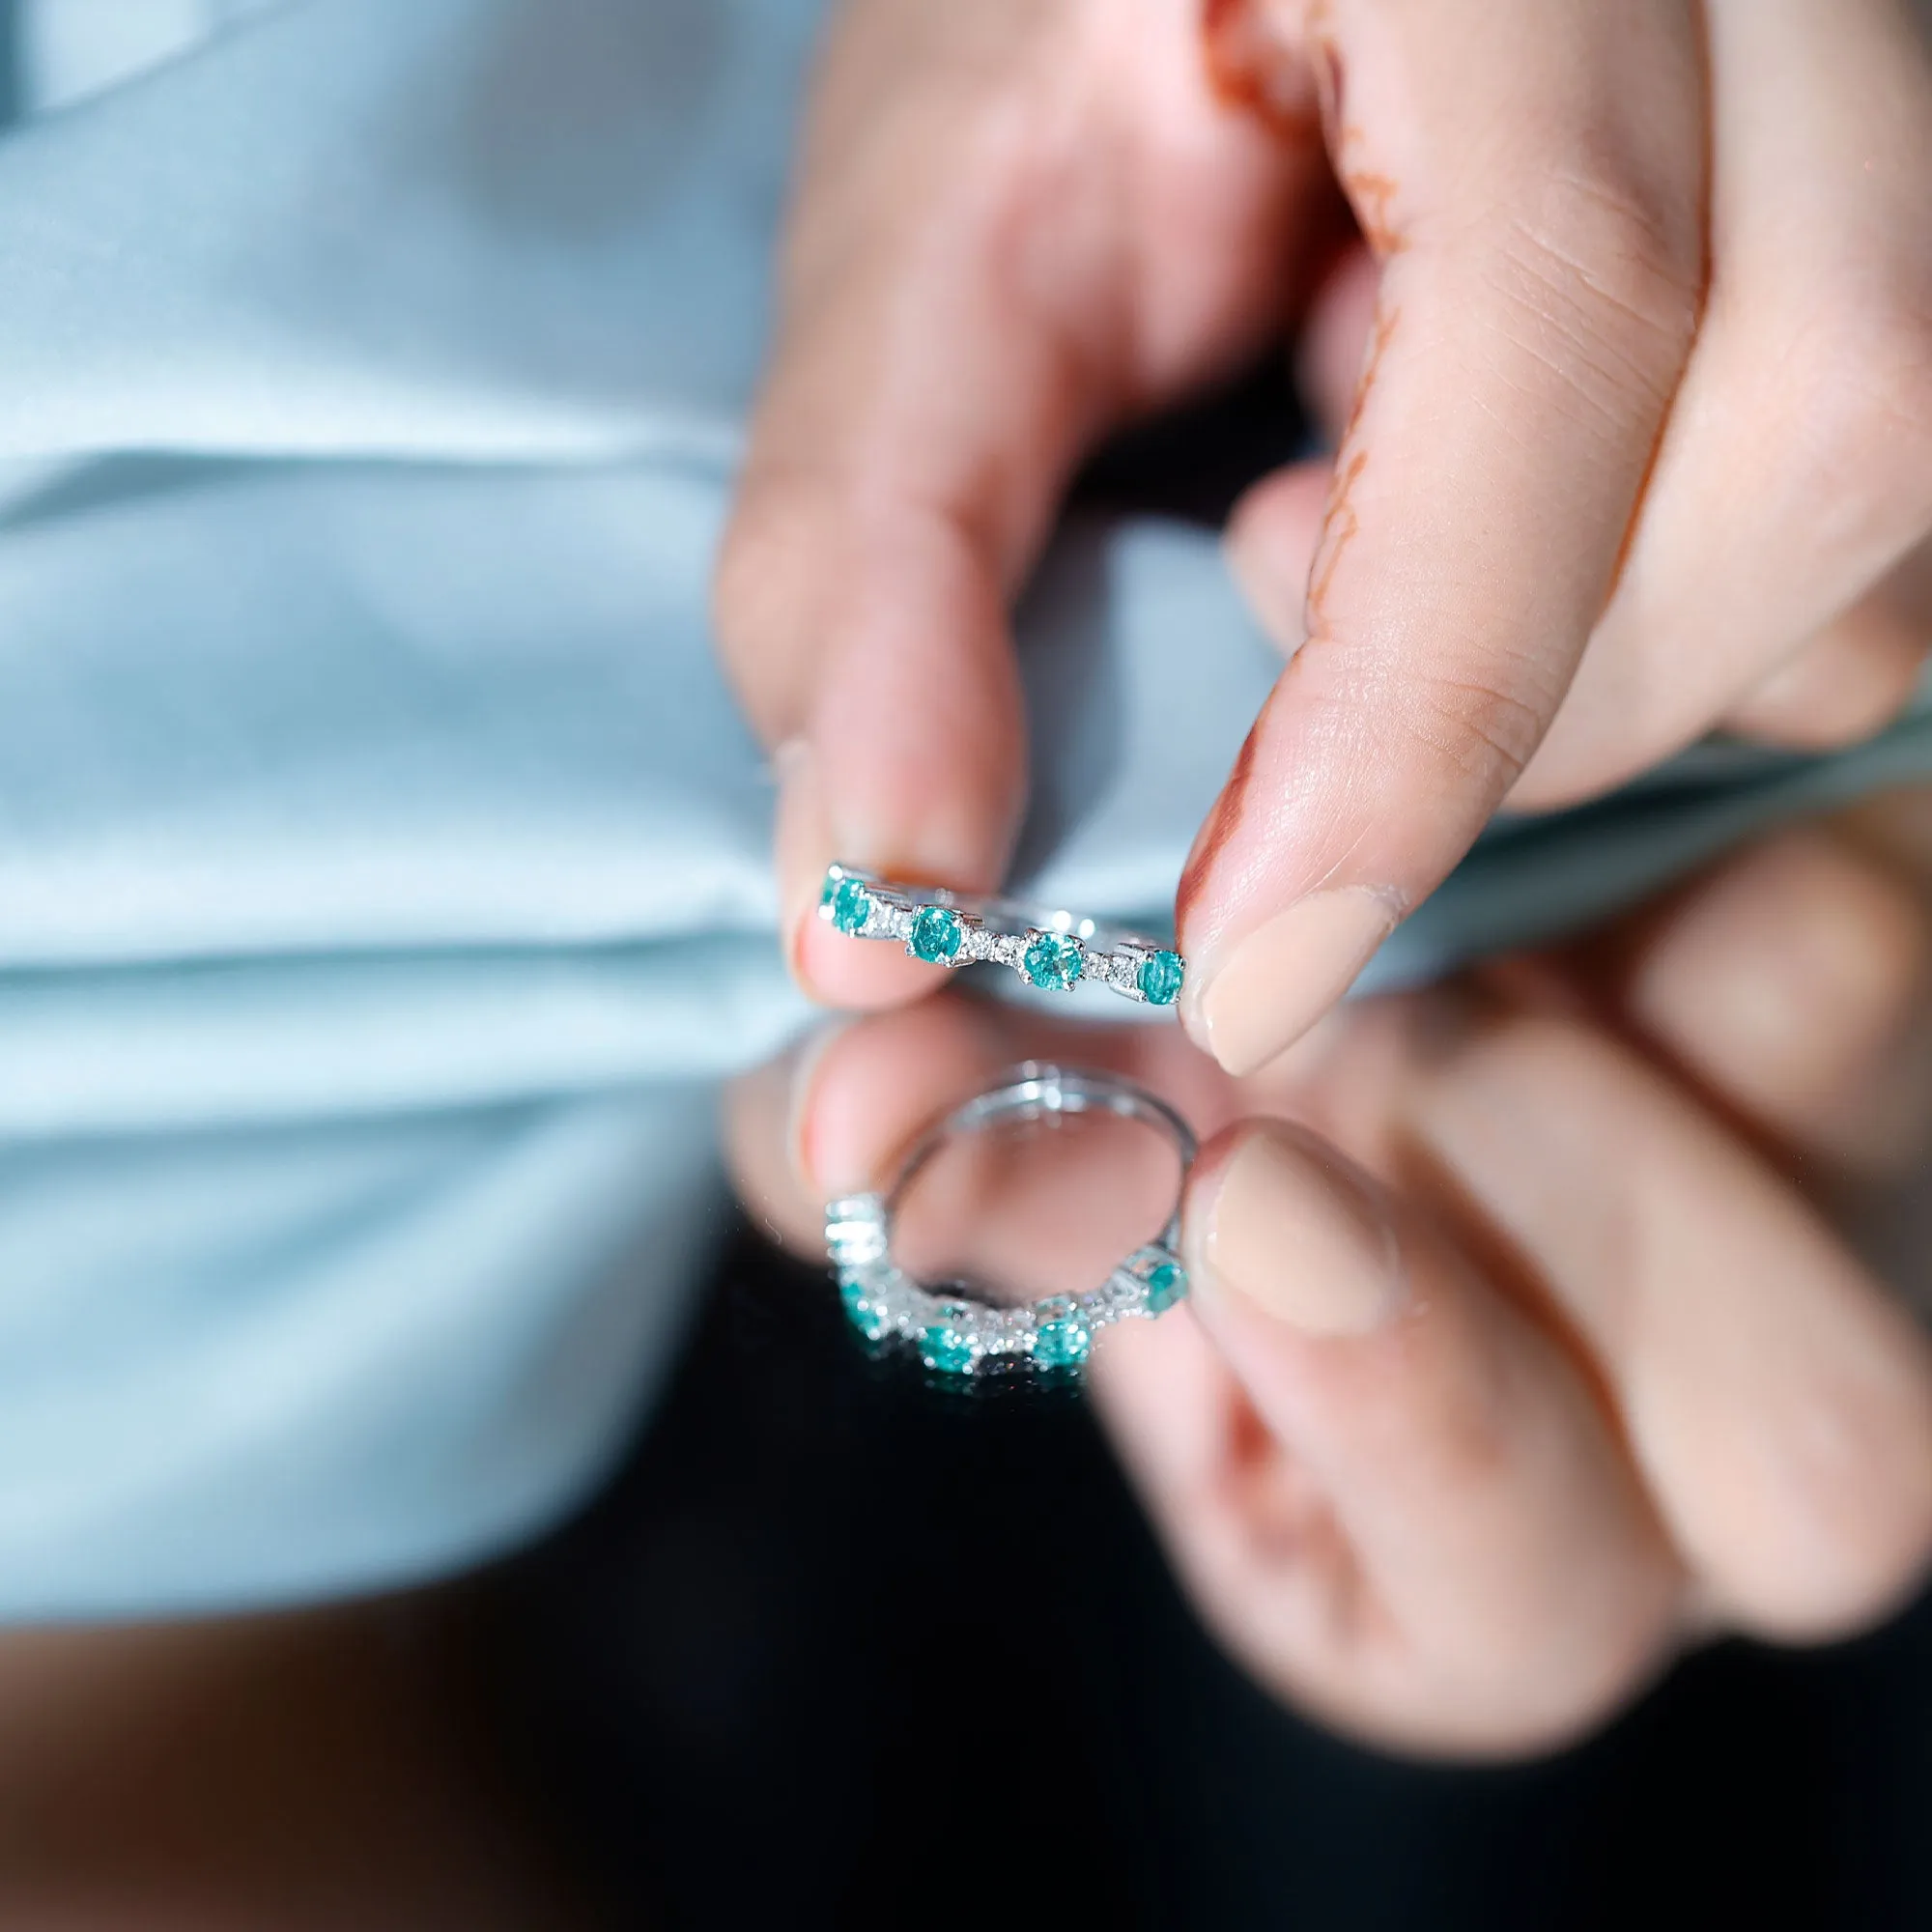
column 1526, row 1349
column 1628, row 370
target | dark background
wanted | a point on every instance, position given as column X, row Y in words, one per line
column 839, row 1647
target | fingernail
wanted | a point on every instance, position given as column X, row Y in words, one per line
column 1284, row 974
column 1295, row 1229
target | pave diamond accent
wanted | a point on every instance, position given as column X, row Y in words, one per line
column 1009, row 949
column 854, row 1230
column 977, row 945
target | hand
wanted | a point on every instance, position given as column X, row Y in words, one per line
column 1521, row 1353
column 1640, row 441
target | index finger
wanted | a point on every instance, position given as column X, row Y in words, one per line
column 1532, row 175
column 967, row 308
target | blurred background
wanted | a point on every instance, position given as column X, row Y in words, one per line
column 600, row 1578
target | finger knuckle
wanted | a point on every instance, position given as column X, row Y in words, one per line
column 1462, row 728
column 1480, row 728
column 1609, row 278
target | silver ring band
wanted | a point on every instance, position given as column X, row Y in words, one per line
column 957, row 1334
column 1051, row 950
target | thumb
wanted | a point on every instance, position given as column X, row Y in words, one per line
column 1538, row 201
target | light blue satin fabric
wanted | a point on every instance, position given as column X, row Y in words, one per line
column 383, row 881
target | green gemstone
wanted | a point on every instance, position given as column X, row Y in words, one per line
column 936, row 934
column 1062, row 1341
column 869, row 1320
column 851, row 905
column 1054, row 961
column 1159, row 978
column 1166, row 1284
column 945, row 1348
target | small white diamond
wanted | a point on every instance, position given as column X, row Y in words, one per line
column 1004, row 1331
column 976, row 942
column 854, row 1230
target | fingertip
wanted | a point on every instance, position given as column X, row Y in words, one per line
column 801, row 1123
column 856, row 975
column 801, row 853
column 756, row 1106
column 907, row 756
column 1251, row 1000
column 1283, row 1225
column 866, row 1088
column 831, row 967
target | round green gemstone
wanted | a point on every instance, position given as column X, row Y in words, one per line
column 1159, row 978
column 1166, row 1284
column 945, row 1348
column 851, row 905
column 936, row 934
column 1054, row 961
column 1062, row 1341
column 870, row 1321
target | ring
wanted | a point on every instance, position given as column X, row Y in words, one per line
column 958, row 1335
column 1051, row 950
